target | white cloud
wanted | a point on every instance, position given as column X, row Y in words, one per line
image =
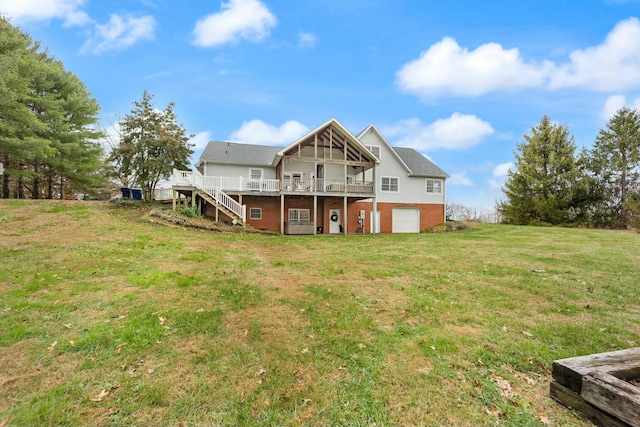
column 238, row 19
column 119, row 33
column 499, row 175
column 259, row 132
column 460, row 179
column 307, row 40
column 44, row 10
column 447, row 68
column 502, row 169
column 612, row 65
column 200, row 140
column 460, row 131
column 616, row 102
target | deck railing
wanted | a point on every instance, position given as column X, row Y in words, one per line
column 190, row 178
column 316, row 185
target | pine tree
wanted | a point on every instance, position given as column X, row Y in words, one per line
column 47, row 122
column 151, row 145
column 614, row 163
column 540, row 190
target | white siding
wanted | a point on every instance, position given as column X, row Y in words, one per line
column 412, row 189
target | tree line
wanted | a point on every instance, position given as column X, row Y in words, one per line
column 51, row 145
column 598, row 187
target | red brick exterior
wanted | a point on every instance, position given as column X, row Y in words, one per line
column 430, row 214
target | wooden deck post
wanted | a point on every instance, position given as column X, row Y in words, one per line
column 346, row 217
column 282, row 214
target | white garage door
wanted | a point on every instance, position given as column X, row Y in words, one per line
column 405, row 220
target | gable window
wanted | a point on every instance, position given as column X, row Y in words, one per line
column 434, row 186
column 375, row 150
column 389, row 183
column 298, row 215
column 255, row 213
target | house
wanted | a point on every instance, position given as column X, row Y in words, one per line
column 327, row 182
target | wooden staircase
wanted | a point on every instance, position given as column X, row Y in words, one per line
column 211, row 193
column 228, row 212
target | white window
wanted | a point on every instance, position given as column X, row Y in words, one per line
column 255, row 213
column 375, row 150
column 255, row 173
column 298, row 215
column 389, row 183
column 434, row 186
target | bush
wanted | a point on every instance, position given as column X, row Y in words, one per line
column 447, row 226
column 191, row 212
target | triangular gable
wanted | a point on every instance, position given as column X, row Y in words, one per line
column 373, row 128
column 333, row 134
column 414, row 163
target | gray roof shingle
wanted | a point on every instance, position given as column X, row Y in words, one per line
column 418, row 164
column 235, row 153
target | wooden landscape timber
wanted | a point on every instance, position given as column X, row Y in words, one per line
column 600, row 386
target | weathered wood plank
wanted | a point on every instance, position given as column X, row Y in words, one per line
column 571, row 399
column 570, row 371
column 613, row 396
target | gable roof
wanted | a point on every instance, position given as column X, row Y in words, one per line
column 239, row 154
column 415, row 163
column 341, row 135
column 418, row 164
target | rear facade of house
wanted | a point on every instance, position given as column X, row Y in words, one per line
column 327, row 182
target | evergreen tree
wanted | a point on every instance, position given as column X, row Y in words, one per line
column 47, row 121
column 540, row 190
column 614, row 163
column 151, row 145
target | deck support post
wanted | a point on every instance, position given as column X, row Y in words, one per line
column 282, row 214
column 173, row 194
column 346, row 216
column 315, row 214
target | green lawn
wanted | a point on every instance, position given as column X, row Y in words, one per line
column 107, row 318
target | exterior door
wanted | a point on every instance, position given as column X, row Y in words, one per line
column 320, row 178
column 405, row 220
column 335, row 222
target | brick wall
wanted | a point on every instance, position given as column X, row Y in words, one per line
column 429, row 214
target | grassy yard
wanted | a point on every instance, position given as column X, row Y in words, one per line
column 109, row 319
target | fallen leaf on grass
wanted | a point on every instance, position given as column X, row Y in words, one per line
column 119, row 347
column 5, row 422
column 161, row 319
column 104, row 393
column 545, row 420
column 52, row 346
column 505, row 387
column 526, row 333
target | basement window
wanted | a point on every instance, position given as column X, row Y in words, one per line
column 255, row 213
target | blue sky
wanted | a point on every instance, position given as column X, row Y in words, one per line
column 461, row 81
